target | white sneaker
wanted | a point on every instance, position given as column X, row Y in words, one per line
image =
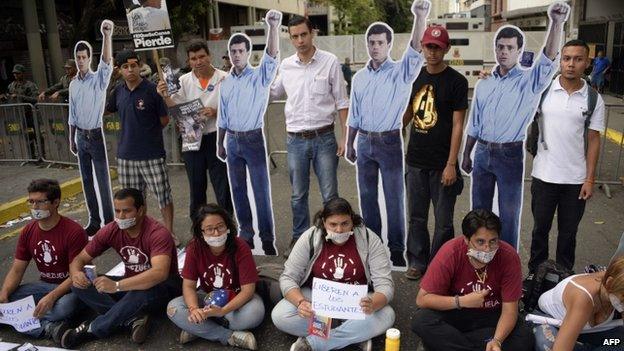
column 243, row 339
column 186, row 337
column 367, row 345
column 301, row 345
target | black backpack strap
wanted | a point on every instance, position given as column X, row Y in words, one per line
column 311, row 243
column 539, row 116
column 592, row 100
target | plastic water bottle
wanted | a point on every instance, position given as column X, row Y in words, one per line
column 393, row 339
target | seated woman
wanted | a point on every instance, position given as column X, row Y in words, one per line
column 339, row 248
column 590, row 306
column 221, row 261
column 468, row 298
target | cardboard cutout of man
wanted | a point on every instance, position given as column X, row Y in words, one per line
column 87, row 95
column 379, row 95
column 502, row 107
column 242, row 103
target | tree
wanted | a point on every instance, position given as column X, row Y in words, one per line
column 185, row 16
column 354, row 16
column 397, row 14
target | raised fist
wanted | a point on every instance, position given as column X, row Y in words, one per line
column 420, row 8
column 558, row 12
column 273, row 18
column 107, row 28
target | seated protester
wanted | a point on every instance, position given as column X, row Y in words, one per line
column 337, row 231
column 588, row 305
column 52, row 241
column 221, row 261
column 151, row 273
column 468, row 298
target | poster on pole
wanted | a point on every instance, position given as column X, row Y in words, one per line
column 19, row 314
column 149, row 25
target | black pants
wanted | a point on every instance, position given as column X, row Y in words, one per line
column 197, row 163
column 423, row 188
column 545, row 199
column 467, row 330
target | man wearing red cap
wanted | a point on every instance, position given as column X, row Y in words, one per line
column 436, row 113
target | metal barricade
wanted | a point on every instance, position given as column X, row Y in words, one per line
column 52, row 119
column 20, row 139
column 609, row 167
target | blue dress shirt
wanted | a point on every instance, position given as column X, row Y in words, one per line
column 379, row 97
column 244, row 97
column 87, row 96
column 504, row 105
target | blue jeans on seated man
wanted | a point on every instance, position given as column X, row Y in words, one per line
column 545, row 336
column 502, row 166
column 121, row 309
column 353, row 331
column 92, row 156
column 63, row 309
column 383, row 153
column 319, row 151
column 248, row 316
column 246, row 152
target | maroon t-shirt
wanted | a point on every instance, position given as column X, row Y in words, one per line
column 154, row 240
column 450, row 273
column 53, row 250
column 219, row 272
column 340, row 263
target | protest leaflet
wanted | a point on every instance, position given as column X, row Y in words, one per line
column 19, row 314
column 173, row 83
column 190, row 123
column 149, row 25
column 337, row 300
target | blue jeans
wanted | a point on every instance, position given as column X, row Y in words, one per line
column 246, row 152
column 249, row 316
column 545, row 336
column 502, row 166
column 321, row 152
column 92, row 156
column 383, row 153
column 286, row 318
column 63, row 308
column 120, row 309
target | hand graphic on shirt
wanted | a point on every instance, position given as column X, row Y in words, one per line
column 47, row 257
column 340, row 268
column 133, row 257
column 218, row 281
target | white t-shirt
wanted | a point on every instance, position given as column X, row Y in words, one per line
column 563, row 128
column 148, row 19
column 190, row 89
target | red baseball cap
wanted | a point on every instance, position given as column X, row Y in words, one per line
column 436, row 35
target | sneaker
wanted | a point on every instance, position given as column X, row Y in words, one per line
column 74, row 337
column 413, row 274
column 397, row 259
column 140, row 327
column 301, row 345
column 269, row 248
column 243, row 339
column 186, row 337
column 55, row 330
column 290, row 247
column 366, row 345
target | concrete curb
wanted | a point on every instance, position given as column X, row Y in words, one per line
column 12, row 209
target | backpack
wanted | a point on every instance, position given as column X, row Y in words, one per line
column 548, row 275
column 268, row 287
column 533, row 132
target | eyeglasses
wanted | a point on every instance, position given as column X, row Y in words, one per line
column 32, row 202
column 221, row 228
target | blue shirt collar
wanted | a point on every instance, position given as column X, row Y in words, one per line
column 382, row 67
column 88, row 75
column 245, row 71
column 515, row 71
column 138, row 87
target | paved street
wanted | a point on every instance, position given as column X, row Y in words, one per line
column 599, row 233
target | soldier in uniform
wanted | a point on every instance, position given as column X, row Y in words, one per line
column 60, row 91
column 21, row 90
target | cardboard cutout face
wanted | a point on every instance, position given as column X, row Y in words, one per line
column 508, row 44
column 379, row 39
column 82, row 55
column 239, row 51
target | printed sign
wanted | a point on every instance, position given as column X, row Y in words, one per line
column 19, row 314
column 148, row 22
column 337, row 300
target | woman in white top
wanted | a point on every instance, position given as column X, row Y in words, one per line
column 590, row 307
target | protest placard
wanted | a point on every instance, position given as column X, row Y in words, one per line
column 337, row 300
column 149, row 25
column 190, row 123
column 19, row 314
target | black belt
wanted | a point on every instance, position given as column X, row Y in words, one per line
column 89, row 132
column 501, row 145
column 244, row 133
column 311, row 134
column 380, row 134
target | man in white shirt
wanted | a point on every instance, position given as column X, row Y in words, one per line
column 203, row 82
column 564, row 168
column 315, row 89
column 149, row 17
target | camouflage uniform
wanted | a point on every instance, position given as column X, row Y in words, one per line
column 26, row 91
column 62, row 88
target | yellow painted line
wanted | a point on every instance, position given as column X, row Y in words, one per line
column 14, row 208
column 614, row 135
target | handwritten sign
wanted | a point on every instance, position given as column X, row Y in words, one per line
column 19, row 314
column 337, row 300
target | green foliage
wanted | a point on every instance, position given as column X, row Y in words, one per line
column 354, row 16
column 186, row 17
